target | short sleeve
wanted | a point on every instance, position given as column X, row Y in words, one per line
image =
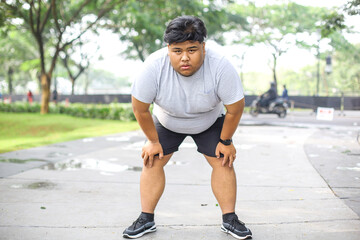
column 229, row 89
column 144, row 87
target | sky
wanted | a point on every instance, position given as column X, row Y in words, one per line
column 257, row 59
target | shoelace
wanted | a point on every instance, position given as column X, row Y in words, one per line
column 139, row 220
column 235, row 222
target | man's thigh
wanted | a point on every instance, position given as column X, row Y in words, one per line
column 169, row 140
column 209, row 139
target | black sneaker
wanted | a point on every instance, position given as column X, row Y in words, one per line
column 236, row 228
column 140, row 227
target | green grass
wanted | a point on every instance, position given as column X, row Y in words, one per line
column 26, row 130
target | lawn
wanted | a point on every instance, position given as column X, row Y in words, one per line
column 26, row 130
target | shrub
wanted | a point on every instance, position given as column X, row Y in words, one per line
column 113, row 111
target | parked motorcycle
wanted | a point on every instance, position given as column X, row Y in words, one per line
column 279, row 107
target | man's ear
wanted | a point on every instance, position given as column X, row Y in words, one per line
column 203, row 45
column 168, row 45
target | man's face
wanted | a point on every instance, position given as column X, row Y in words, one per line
column 186, row 57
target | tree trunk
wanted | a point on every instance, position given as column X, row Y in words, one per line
column 10, row 80
column 45, row 93
column 87, row 83
column 241, row 67
column 274, row 72
column 72, row 85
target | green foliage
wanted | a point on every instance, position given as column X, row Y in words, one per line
column 353, row 7
column 333, row 22
column 19, row 107
column 54, row 25
column 347, row 69
column 142, row 23
column 275, row 26
column 113, row 111
column 17, row 50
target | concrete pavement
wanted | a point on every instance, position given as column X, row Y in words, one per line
column 88, row 189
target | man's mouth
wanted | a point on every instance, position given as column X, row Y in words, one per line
column 185, row 67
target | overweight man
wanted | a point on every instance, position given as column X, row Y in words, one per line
column 196, row 92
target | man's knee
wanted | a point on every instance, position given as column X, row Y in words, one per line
column 216, row 163
column 159, row 163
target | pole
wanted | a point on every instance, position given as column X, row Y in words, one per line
column 318, row 69
column 342, row 105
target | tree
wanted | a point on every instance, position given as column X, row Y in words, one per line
column 346, row 69
column 142, row 23
column 75, row 68
column 346, row 73
column 279, row 27
column 17, row 52
column 55, row 25
column 334, row 21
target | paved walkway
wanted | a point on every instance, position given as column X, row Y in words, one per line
column 88, row 189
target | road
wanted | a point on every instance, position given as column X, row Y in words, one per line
column 333, row 149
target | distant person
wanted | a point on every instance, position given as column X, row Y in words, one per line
column 285, row 95
column 269, row 96
column 55, row 96
column 191, row 86
column 30, row 97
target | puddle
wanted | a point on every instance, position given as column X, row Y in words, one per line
column 57, row 146
column 118, row 139
column 179, row 163
column 90, row 164
column 21, row 161
column 134, row 146
column 357, row 168
column 353, row 154
column 245, row 146
column 135, row 169
column 88, row 140
column 325, row 146
column 35, row 185
column 59, row 154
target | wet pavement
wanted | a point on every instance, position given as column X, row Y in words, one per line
column 335, row 154
column 295, row 180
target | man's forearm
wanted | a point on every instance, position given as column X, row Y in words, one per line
column 232, row 119
column 146, row 123
column 230, row 125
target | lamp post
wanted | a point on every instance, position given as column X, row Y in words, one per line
column 328, row 66
column 318, row 33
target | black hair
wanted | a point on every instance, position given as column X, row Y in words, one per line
column 185, row 28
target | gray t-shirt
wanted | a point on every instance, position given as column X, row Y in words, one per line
column 191, row 104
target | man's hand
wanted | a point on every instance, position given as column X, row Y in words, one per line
column 229, row 153
column 149, row 151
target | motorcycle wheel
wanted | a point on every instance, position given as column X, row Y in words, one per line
column 254, row 111
column 281, row 111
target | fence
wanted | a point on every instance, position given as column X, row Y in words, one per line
column 312, row 102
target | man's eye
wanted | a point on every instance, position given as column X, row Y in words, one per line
column 192, row 50
column 177, row 51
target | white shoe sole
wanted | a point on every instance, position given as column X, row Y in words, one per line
column 223, row 229
column 152, row 229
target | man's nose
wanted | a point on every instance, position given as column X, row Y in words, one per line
column 185, row 57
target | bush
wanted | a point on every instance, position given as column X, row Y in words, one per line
column 113, row 111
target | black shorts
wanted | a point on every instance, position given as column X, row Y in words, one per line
column 205, row 141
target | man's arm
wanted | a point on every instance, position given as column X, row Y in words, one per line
column 232, row 118
column 144, row 118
